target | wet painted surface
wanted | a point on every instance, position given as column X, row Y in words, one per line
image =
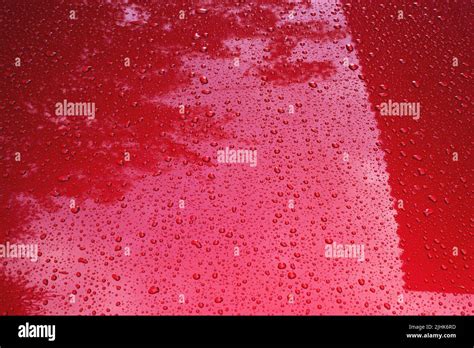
column 172, row 230
column 425, row 57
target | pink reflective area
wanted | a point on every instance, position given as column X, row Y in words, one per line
column 246, row 240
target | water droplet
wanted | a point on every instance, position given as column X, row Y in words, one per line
column 153, row 290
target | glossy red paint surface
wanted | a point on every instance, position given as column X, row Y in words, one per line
column 425, row 57
column 174, row 232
